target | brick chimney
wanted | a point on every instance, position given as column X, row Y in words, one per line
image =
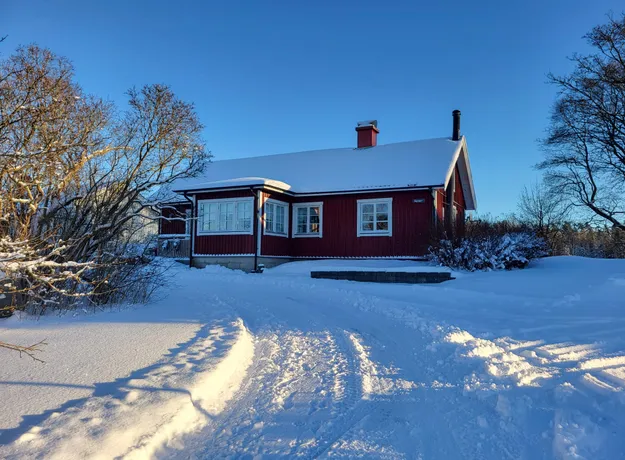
column 367, row 133
column 456, row 132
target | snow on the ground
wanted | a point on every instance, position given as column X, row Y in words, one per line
column 521, row 364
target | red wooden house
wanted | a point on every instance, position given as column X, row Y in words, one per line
column 372, row 201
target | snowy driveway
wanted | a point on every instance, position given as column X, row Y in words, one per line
column 525, row 364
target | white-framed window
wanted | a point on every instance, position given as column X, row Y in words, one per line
column 276, row 218
column 230, row 216
column 308, row 220
column 375, row 217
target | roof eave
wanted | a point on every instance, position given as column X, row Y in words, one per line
column 318, row 193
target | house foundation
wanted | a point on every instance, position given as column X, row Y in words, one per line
column 245, row 263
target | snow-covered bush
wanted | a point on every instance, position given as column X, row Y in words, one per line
column 496, row 252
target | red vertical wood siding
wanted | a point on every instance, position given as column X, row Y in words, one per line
column 272, row 245
column 223, row 244
column 411, row 227
column 173, row 227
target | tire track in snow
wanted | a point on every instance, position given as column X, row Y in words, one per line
column 292, row 401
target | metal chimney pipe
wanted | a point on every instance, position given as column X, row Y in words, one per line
column 456, row 134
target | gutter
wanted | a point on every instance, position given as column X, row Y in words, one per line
column 192, row 229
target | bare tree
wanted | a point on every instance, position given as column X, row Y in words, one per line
column 541, row 209
column 585, row 145
column 74, row 172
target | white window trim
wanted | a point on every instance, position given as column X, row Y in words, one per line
column 389, row 232
column 224, row 200
column 294, row 220
column 286, row 218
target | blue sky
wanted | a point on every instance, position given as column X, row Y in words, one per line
column 284, row 76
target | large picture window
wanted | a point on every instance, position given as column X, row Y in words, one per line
column 276, row 218
column 375, row 217
column 307, row 220
column 225, row 217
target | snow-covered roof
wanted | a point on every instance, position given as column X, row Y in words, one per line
column 421, row 163
column 165, row 194
column 199, row 183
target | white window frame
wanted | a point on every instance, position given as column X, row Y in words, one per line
column 200, row 217
column 297, row 206
column 266, row 230
column 360, row 232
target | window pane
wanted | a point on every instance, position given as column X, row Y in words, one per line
column 367, row 218
column 302, row 220
column 314, row 219
column 381, row 207
column 223, row 210
column 314, row 215
column 279, row 213
column 243, row 216
column 381, row 216
column 367, row 226
column 367, row 208
column 269, row 217
column 201, row 220
column 280, row 222
column 382, row 226
column 230, row 216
